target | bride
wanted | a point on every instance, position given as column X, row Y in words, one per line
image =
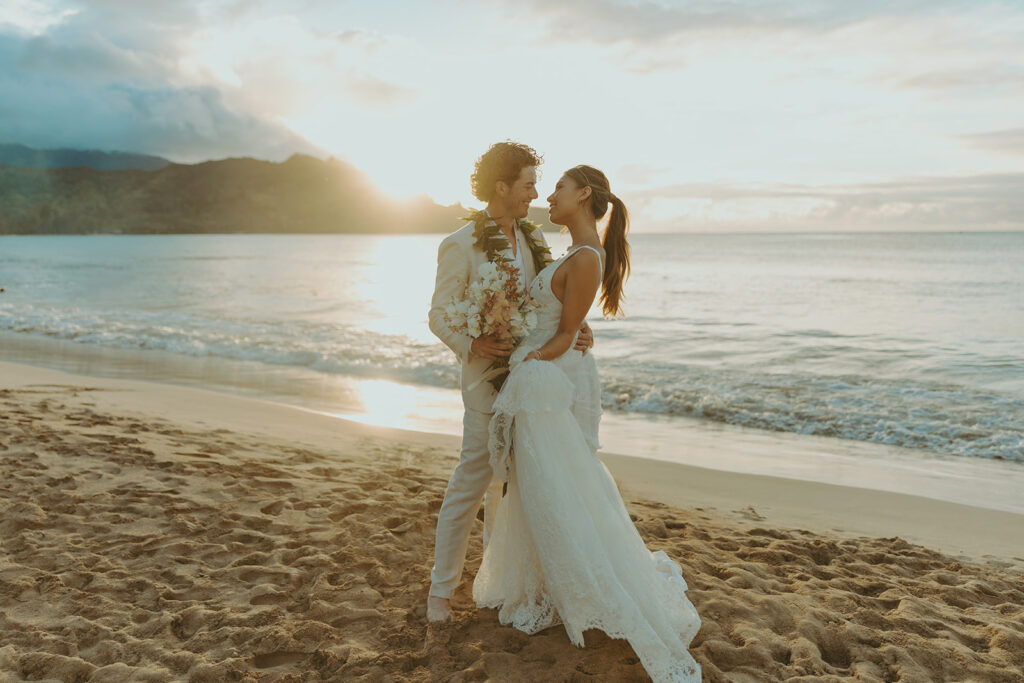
column 563, row 548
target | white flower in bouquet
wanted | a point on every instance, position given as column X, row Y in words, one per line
column 489, row 273
column 495, row 304
column 473, row 325
column 525, row 320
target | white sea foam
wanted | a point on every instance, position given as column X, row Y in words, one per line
column 940, row 418
column 359, row 353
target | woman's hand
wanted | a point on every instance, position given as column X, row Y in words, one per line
column 585, row 339
column 533, row 355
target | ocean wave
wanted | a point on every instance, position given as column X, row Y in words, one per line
column 323, row 348
column 942, row 418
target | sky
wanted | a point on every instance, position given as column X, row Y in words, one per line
column 738, row 115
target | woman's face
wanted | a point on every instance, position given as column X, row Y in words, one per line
column 566, row 200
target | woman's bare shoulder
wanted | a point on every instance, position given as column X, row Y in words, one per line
column 585, row 265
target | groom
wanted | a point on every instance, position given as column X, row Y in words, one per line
column 506, row 178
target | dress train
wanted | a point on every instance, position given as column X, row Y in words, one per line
column 563, row 548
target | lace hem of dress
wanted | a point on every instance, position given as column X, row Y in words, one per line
column 539, row 614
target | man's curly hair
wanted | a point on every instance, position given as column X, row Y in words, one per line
column 502, row 161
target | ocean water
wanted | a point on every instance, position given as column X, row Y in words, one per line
column 910, row 340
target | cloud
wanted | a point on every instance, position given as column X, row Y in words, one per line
column 646, row 36
column 992, row 77
column 640, row 174
column 88, row 92
column 367, row 40
column 1009, row 141
column 236, row 10
column 376, row 92
column 124, row 75
column 31, row 16
column 194, row 124
column 89, row 57
column 649, row 23
column 980, row 202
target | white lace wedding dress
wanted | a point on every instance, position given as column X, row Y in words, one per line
column 563, row 548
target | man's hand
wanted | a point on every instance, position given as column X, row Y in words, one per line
column 585, row 340
column 490, row 347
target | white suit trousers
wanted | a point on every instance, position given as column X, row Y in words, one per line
column 469, row 483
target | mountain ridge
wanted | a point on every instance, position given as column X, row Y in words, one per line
column 14, row 154
column 300, row 195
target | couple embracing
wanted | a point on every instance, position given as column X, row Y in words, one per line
column 560, row 547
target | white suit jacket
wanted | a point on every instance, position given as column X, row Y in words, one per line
column 457, row 264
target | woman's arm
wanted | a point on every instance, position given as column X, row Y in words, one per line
column 582, row 279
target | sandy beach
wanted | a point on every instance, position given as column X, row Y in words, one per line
column 153, row 532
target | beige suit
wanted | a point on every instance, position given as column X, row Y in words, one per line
column 457, row 264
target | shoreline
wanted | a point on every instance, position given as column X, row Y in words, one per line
column 975, row 482
column 968, row 532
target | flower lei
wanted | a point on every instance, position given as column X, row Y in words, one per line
column 489, row 239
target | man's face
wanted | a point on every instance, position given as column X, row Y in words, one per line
column 522, row 192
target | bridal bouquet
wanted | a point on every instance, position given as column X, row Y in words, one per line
column 496, row 303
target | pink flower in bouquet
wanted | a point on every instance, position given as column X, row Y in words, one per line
column 495, row 304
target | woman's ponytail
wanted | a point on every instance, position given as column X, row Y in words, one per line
column 616, row 250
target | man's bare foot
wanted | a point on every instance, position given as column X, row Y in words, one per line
column 438, row 609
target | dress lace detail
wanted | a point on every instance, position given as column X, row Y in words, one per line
column 563, row 548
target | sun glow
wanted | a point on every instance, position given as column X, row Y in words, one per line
column 386, row 404
column 387, row 285
column 389, row 404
